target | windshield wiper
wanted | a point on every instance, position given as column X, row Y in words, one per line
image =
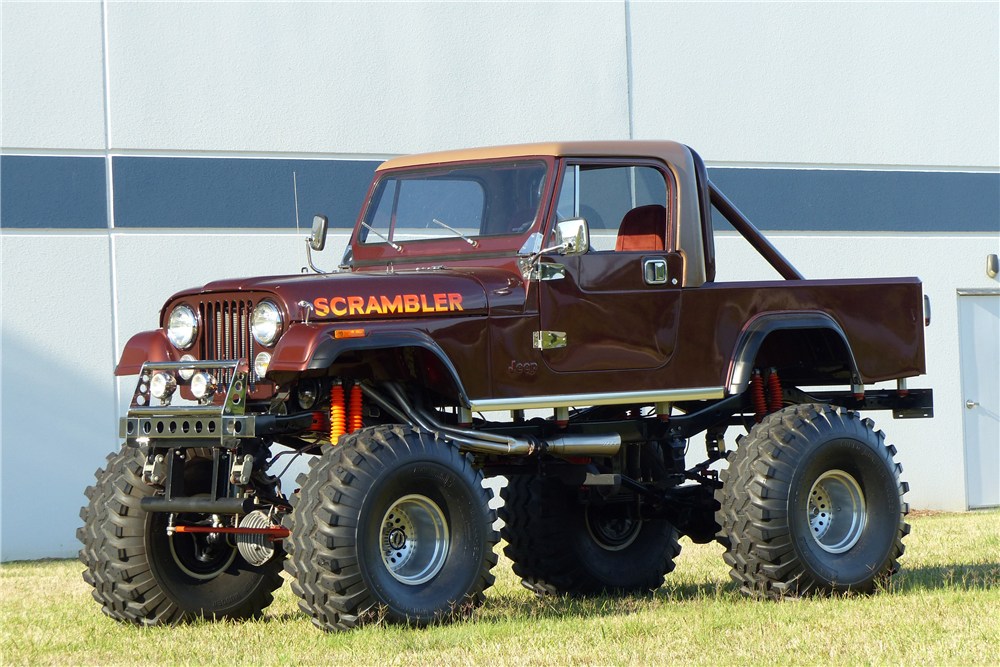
column 397, row 248
column 472, row 242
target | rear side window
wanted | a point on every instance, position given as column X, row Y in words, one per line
column 604, row 195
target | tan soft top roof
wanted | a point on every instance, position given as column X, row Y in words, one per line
column 669, row 151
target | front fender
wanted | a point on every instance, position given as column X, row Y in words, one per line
column 143, row 347
column 313, row 347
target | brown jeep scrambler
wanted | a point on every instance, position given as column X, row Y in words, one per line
column 545, row 312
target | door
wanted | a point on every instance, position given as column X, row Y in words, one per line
column 618, row 304
column 979, row 340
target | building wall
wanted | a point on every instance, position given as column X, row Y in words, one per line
column 148, row 147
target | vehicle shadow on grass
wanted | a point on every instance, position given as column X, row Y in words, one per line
column 962, row 576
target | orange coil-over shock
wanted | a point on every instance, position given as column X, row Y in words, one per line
column 757, row 396
column 774, row 398
column 354, row 413
column 337, row 418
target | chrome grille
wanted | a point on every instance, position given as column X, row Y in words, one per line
column 227, row 332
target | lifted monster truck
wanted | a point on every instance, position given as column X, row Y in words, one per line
column 575, row 279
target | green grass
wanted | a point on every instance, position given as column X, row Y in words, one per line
column 944, row 607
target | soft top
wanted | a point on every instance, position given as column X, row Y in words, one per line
column 668, row 151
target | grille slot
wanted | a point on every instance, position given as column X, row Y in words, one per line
column 227, row 333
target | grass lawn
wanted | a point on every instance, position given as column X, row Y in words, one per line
column 943, row 608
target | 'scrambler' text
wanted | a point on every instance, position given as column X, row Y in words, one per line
column 340, row 306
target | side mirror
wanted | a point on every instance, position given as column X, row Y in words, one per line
column 318, row 239
column 572, row 236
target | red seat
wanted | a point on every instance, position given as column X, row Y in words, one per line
column 643, row 229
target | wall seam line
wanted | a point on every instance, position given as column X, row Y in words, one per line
column 628, row 67
column 110, row 194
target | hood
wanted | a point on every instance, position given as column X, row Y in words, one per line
column 366, row 295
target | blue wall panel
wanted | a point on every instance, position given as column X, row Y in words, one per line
column 39, row 192
column 211, row 193
column 185, row 192
column 861, row 201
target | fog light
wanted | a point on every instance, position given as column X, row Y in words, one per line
column 260, row 364
column 202, row 385
column 162, row 385
column 186, row 373
column 307, row 393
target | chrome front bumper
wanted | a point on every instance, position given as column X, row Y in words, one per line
column 224, row 424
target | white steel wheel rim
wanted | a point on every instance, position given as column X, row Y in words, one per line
column 414, row 539
column 836, row 511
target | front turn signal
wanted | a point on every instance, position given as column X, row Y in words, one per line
column 349, row 333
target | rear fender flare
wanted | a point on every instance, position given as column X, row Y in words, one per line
column 327, row 352
column 758, row 328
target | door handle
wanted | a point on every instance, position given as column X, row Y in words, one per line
column 971, row 404
column 654, row 271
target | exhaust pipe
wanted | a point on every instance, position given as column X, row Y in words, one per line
column 598, row 444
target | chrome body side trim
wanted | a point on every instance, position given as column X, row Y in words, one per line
column 581, row 400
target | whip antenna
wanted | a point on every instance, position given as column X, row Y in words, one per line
column 295, row 190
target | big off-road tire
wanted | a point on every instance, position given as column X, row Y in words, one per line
column 390, row 521
column 142, row 576
column 812, row 503
column 560, row 546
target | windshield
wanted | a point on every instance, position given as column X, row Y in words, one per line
column 482, row 200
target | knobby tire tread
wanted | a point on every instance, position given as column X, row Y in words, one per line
column 754, row 514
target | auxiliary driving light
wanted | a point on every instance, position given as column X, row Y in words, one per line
column 186, row 373
column 307, row 393
column 162, row 386
column 260, row 363
column 202, row 385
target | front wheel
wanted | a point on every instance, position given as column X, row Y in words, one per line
column 812, row 502
column 144, row 576
column 391, row 520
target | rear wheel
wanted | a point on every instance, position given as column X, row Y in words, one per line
column 559, row 545
column 812, row 502
column 391, row 521
column 143, row 576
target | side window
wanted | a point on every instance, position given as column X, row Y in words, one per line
column 625, row 207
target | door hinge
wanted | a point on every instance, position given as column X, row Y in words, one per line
column 547, row 340
column 541, row 270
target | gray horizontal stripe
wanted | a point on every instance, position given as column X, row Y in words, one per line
column 38, row 192
column 68, row 192
column 177, row 192
column 864, row 201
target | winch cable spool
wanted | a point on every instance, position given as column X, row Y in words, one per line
column 354, row 413
column 257, row 547
column 338, row 424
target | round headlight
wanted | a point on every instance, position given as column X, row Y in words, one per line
column 186, row 373
column 266, row 323
column 260, row 363
column 182, row 327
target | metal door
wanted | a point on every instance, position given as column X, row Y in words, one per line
column 979, row 340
